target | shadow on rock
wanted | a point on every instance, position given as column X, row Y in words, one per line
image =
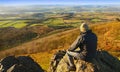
column 19, row 64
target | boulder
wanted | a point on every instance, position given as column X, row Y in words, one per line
column 19, row 64
column 104, row 62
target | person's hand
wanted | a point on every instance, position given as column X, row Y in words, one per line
column 67, row 50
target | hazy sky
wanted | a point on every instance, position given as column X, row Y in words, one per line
column 57, row 2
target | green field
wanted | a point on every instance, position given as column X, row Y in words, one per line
column 52, row 22
column 57, row 20
column 18, row 30
column 12, row 23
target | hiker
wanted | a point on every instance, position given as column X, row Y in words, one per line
column 87, row 45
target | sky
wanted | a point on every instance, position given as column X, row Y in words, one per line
column 58, row 2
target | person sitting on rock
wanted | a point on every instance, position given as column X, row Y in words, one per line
column 86, row 42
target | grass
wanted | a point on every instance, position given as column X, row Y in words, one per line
column 42, row 59
column 54, row 21
column 40, row 49
column 101, row 31
column 16, row 24
column 10, row 24
column 35, row 25
column 45, row 46
column 4, row 22
column 50, row 22
column 108, row 34
column 95, row 20
column 19, row 25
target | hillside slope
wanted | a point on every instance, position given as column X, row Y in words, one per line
column 108, row 38
column 48, row 43
column 10, row 36
column 108, row 35
column 101, row 30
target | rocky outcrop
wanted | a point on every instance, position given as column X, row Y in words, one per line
column 19, row 64
column 104, row 62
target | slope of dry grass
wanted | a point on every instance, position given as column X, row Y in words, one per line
column 48, row 43
column 41, row 49
column 106, row 32
column 108, row 35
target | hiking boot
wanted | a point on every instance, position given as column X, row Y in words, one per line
column 71, row 68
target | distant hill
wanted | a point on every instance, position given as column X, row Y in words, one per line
column 58, row 8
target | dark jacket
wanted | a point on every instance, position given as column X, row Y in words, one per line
column 87, row 42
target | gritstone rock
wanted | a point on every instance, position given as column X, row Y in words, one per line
column 19, row 64
column 104, row 62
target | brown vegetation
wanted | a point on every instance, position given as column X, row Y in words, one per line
column 108, row 38
column 108, row 35
column 10, row 36
column 59, row 40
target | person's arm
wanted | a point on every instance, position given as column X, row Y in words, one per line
column 76, row 43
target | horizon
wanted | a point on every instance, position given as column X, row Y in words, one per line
column 57, row 2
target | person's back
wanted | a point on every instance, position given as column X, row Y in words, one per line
column 87, row 42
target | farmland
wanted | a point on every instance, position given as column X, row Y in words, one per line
column 21, row 29
column 39, row 34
